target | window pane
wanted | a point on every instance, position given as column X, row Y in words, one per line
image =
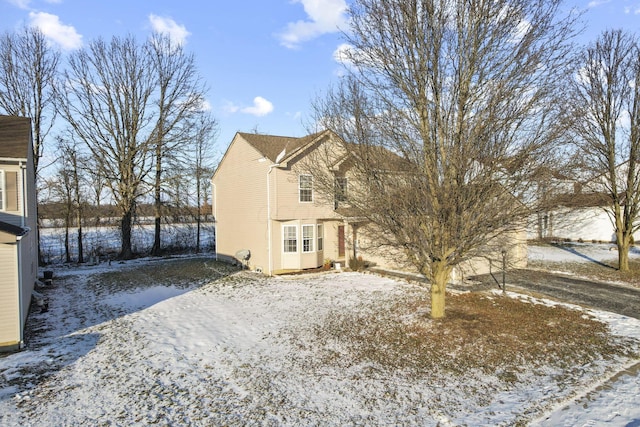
column 320, row 237
column 306, row 188
column 307, row 238
column 290, row 238
column 341, row 189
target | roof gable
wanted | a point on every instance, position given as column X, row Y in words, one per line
column 15, row 136
column 270, row 146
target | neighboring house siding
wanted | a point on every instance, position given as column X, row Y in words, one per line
column 9, row 297
column 28, row 248
column 18, row 252
column 587, row 224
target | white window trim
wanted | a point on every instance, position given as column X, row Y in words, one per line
column 3, row 191
column 284, row 246
column 311, row 239
column 300, row 188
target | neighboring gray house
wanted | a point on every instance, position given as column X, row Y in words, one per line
column 18, row 232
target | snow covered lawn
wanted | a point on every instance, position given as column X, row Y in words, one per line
column 241, row 349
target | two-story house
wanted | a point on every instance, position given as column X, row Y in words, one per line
column 267, row 200
column 261, row 203
column 18, row 232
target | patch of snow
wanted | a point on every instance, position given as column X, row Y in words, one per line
column 576, row 252
column 141, row 298
column 234, row 352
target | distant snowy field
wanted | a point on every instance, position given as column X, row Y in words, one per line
column 223, row 353
column 578, row 252
column 105, row 241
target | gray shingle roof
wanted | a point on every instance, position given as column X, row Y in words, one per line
column 15, row 136
column 270, row 145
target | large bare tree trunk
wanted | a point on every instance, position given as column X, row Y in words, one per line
column 157, row 205
column 439, row 276
column 126, row 251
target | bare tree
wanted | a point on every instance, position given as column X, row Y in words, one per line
column 179, row 95
column 447, row 109
column 28, row 69
column 107, row 102
column 605, row 118
column 205, row 131
column 71, row 175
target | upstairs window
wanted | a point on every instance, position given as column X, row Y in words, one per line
column 305, row 188
column 8, row 191
column 340, row 191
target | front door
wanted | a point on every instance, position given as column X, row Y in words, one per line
column 340, row 241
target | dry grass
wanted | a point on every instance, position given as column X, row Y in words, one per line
column 178, row 272
column 489, row 334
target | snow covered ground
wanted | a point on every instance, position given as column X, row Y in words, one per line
column 231, row 352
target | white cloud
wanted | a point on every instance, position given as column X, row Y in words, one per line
column 325, row 16
column 169, row 27
column 596, row 3
column 344, row 54
column 230, row 107
column 65, row 36
column 260, row 107
column 635, row 10
column 22, row 4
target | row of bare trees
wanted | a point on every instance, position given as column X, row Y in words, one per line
column 131, row 117
column 451, row 108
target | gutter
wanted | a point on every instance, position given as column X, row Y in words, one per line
column 215, row 218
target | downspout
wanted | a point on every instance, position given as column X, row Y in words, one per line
column 23, row 169
column 215, row 219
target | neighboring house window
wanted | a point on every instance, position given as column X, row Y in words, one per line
column 307, row 238
column 340, row 190
column 8, row 190
column 320, row 237
column 305, row 187
column 290, row 238
column 2, row 190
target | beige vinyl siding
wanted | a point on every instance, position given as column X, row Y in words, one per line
column 28, row 248
column 9, row 309
column 288, row 205
column 240, row 203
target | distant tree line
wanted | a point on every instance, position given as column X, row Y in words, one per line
column 133, row 135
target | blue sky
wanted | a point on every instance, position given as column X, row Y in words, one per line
column 264, row 60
